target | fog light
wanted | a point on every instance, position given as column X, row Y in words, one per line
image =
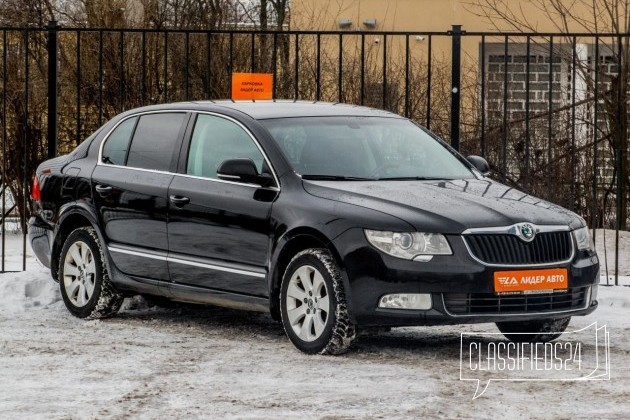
column 418, row 301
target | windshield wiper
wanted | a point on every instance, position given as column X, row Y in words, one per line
column 414, row 178
column 336, row 178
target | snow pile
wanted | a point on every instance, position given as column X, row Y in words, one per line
column 30, row 289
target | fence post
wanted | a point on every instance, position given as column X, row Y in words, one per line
column 620, row 155
column 456, row 63
column 52, row 33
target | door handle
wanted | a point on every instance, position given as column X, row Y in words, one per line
column 103, row 190
column 179, row 201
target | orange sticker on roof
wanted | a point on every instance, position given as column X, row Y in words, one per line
column 252, row 86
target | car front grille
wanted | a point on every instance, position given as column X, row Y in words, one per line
column 507, row 249
column 461, row 304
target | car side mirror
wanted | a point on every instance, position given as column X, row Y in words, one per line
column 480, row 164
column 242, row 170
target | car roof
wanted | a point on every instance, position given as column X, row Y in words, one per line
column 261, row 110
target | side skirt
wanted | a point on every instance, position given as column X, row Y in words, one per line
column 191, row 294
column 181, row 292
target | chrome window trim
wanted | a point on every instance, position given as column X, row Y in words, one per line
column 230, row 176
column 99, row 161
column 168, row 258
column 193, row 177
column 511, row 230
column 587, row 304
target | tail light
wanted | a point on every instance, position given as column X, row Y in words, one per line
column 36, row 192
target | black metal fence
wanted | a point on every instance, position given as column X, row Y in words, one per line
column 548, row 110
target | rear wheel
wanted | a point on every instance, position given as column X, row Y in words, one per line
column 534, row 331
column 313, row 304
column 83, row 277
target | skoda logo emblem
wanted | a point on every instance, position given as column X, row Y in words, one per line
column 527, row 232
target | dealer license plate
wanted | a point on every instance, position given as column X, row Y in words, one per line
column 531, row 281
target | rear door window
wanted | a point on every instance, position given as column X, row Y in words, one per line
column 117, row 144
column 154, row 141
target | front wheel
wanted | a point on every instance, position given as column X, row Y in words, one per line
column 313, row 304
column 83, row 277
column 540, row 331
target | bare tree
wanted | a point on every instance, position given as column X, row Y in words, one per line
column 26, row 13
column 596, row 17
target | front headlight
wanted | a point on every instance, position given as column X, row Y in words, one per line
column 583, row 238
column 408, row 245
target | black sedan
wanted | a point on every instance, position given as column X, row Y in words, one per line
column 331, row 217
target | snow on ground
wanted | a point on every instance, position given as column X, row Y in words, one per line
column 196, row 362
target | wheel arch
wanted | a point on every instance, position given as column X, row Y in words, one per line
column 71, row 219
column 290, row 244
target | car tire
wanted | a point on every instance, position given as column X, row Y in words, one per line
column 534, row 331
column 313, row 304
column 83, row 277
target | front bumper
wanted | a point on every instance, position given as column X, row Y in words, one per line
column 371, row 274
column 40, row 237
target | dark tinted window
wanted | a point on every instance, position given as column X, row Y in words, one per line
column 154, row 141
column 115, row 148
column 215, row 140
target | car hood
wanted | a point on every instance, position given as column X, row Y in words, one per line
column 446, row 206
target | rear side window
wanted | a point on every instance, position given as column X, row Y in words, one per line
column 154, row 141
column 215, row 140
column 117, row 144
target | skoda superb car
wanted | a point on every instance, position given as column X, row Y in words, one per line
column 331, row 217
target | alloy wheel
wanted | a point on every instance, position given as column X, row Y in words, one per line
column 79, row 273
column 307, row 303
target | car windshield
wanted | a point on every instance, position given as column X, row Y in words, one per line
column 363, row 148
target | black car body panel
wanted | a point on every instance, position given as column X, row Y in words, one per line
column 436, row 206
column 219, row 214
column 227, row 243
column 133, row 212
